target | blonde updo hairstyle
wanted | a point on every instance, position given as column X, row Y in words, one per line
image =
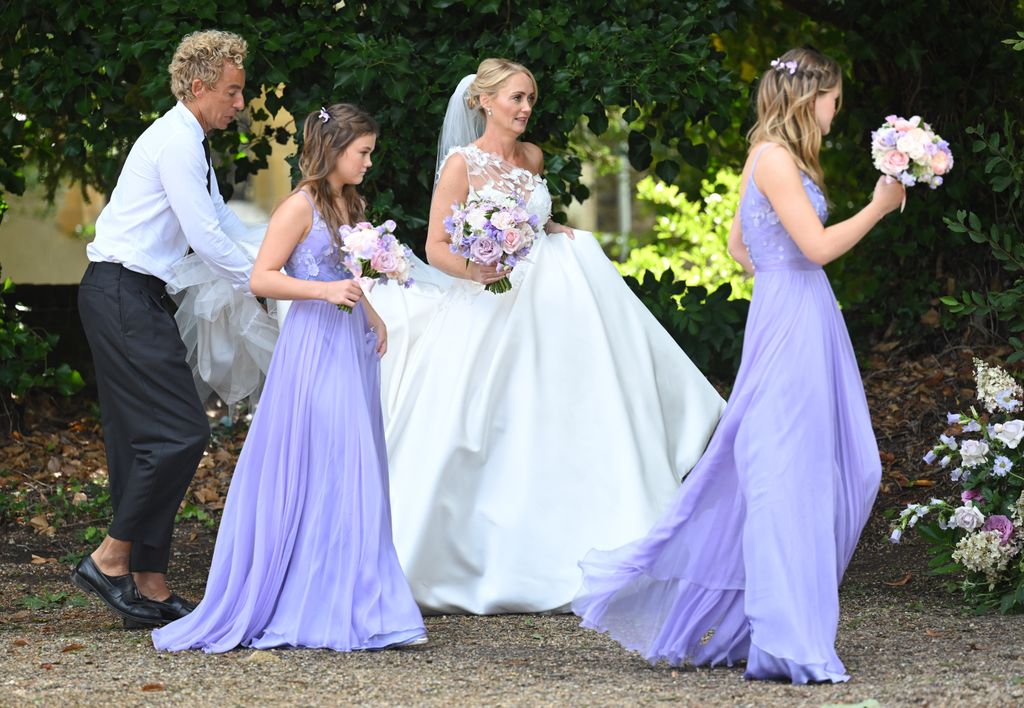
column 322, row 143
column 201, row 55
column 786, row 106
column 490, row 76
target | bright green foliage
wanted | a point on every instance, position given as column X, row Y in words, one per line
column 691, row 238
column 89, row 76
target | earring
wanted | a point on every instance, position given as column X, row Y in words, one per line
column 489, row 112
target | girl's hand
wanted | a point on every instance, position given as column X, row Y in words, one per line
column 343, row 292
column 380, row 329
column 553, row 227
column 888, row 195
column 485, row 275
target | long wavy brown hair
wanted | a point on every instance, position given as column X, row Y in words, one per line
column 322, row 143
column 785, row 106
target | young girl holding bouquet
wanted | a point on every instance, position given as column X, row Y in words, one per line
column 745, row 564
column 304, row 555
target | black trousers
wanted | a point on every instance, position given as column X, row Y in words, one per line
column 154, row 426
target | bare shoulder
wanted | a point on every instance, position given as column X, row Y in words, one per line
column 453, row 169
column 534, row 157
column 772, row 156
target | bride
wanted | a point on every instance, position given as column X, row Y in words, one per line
column 527, row 427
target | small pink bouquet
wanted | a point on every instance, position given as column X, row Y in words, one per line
column 372, row 254
column 496, row 231
column 910, row 152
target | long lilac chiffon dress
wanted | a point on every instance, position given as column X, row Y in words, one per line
column 304, row 555
column 746, row 563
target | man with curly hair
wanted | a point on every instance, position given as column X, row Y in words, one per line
column 154, row 426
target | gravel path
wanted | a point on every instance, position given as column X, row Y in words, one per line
column 906, row 644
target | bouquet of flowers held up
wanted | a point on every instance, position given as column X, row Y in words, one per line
column 910, row 152
column 980, row 534
column 492, row 231
column 372, row 254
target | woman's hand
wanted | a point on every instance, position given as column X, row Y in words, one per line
column 888, row 195
column 553, row 227
column 485, row 274
column 379, row 328
column 342, row 292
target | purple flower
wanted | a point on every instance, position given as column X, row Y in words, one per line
column 970, row 495
column 952, row 418
column 999, row 523
column 485, row 251
column 930, row 457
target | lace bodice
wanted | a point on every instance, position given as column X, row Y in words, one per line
column 770, row 245
column 316, row 257
column 488, row 173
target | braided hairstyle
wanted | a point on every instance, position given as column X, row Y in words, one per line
column 786, row 99
column 322, row 143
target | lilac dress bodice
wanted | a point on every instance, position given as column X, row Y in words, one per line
column 317, row 257
column 769, row 244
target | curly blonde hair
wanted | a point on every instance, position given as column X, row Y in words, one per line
column 490, row 75
column 201, row 55
column 785, row 106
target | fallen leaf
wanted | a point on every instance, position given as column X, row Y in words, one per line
column 902, row 581
column 931, row 318
column 46, row 667
column 922, row 483
column 79, row 498
column 19, row 643
column 934, row 633
column 40, row 560
column 73, row 647
column 153, row 687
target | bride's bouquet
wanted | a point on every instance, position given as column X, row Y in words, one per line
column 492, row 231
column 911, row 152
column 372, row 254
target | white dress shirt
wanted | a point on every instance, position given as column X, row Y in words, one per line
column 160, row 207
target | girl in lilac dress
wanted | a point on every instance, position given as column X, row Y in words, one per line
column 304, row 555
column 746, row 563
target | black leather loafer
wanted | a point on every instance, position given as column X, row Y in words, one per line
column 117, row 592
column 174, row 607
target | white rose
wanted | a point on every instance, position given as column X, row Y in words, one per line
column 502, row 221
column 974, row 452
column 912, row 142
column 476, row 219
column 1009, row 433
column 968, row 517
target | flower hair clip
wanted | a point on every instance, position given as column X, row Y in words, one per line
column 780, row 65
column 324, row 115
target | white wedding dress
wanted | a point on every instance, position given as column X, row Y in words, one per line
column 526, row 428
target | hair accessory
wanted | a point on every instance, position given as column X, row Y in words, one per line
column 324, row 115
column 780, row 65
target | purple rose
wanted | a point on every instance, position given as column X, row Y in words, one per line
column 970, row 495
column 485, row 251
column 1001, row 524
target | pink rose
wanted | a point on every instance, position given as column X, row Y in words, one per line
column 940, row 163
column 970, row 495
column 894, row 162
column 511, row 241
column 384, row 262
